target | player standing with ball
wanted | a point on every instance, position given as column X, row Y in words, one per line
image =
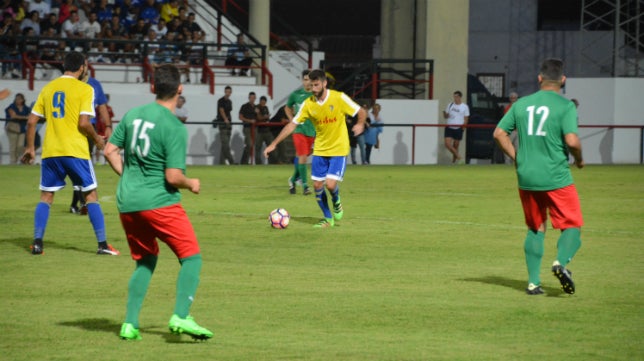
column 148, row 199
column 327, row 109
column 546, row 125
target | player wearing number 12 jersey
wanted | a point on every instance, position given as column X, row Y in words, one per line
column 546, row 124
column 66, row 103
column 154, row 141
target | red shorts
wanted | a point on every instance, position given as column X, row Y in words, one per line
column 562, row 204
column 303, row 144
column 169, row 224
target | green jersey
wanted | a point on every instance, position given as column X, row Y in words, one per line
column 295, row 101
column 542, row 120
column 153, row 139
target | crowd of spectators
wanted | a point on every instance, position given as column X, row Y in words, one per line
column 100, row 28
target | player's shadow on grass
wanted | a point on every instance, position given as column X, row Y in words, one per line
column 113, row 327
column 25, row 243
column 518, row 285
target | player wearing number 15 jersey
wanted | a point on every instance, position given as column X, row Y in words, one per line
column 546, row 124
column 154, row 141
column 66, row 103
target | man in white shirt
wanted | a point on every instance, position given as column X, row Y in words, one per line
column 91, row 27
column 457, row 114
column 41, row 7
column 181, row 111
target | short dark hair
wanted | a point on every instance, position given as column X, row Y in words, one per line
column 317, row 74
column 251, row 93
column 458, row 92
column 166, row 81
column 305, row 72
column 228, row 87
column 73, row 61
column 552, row 69
column 262, row 98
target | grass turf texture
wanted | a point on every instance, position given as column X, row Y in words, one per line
column 427, row 264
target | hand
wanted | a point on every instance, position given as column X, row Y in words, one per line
column 29, row 156
column 579, row 163
column 100, row 142
column 268, row 149
column 358, row 129
column 195, row 185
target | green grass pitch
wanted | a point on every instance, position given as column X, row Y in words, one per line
column 427, row 264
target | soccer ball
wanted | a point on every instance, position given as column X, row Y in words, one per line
column 279, row 218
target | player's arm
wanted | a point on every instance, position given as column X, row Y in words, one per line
column 107, row 120
column 574, row 146
column 176, row 178
column 30, row 150
column 289, row 112
column 86, row 128
column 358, row 128
column 286, row 131
column 112, row 154
column 502, row 138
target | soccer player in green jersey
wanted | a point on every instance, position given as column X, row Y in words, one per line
column 546, row 124
column 303, row 136
column 327, row 110
column 154, row 141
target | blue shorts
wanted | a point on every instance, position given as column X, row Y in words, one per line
column 54, row 170
column 328, row 167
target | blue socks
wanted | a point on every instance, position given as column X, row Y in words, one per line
column 40, row 219
column 320, row 196
column 335, row 194
column 98, row 222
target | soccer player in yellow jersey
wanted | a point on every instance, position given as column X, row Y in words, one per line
column 67, row 104
column 327, row 109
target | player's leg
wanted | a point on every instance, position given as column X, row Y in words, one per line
column 52, row 179
column 534, row 211
column 361, row 145
column 299, row 143
column 81, row 171
column 144, row 250
column 302, row 164
column 565, row 213
column 449, row 141
column 335, row 174
column 179, row 235
column 319, row 170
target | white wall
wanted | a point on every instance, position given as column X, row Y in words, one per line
column 609, row 101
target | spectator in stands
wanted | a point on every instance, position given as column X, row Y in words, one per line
column 161, row 29
column 22, row 10
column 50, row 22
column 72, row 29
column 91, row 27
column 99, row 54
column 49, row 51
column 139, row 30
column 239, row 56
column 174, row 26
column 30, row 46
column 32, row 21
column 43, row 8
column 192, row 25
column 248, row 115
column 150, row 47
column 170, row 10
column 149, row 12
column 65, row 11
column 168, row 50
column 183, row 14
column 9, row 47
column 16, row 126
column 104, row 11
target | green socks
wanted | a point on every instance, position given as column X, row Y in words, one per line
column 301, row 170
column 533, row 247
column 187, row 284
column 138, row 287
column 568, row 244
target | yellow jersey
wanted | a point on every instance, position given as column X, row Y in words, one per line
column 329, row 118
column 61, row 102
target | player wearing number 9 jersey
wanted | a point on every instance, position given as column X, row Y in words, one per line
column 154, row 143
column 66, row 103
column 546, row 125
